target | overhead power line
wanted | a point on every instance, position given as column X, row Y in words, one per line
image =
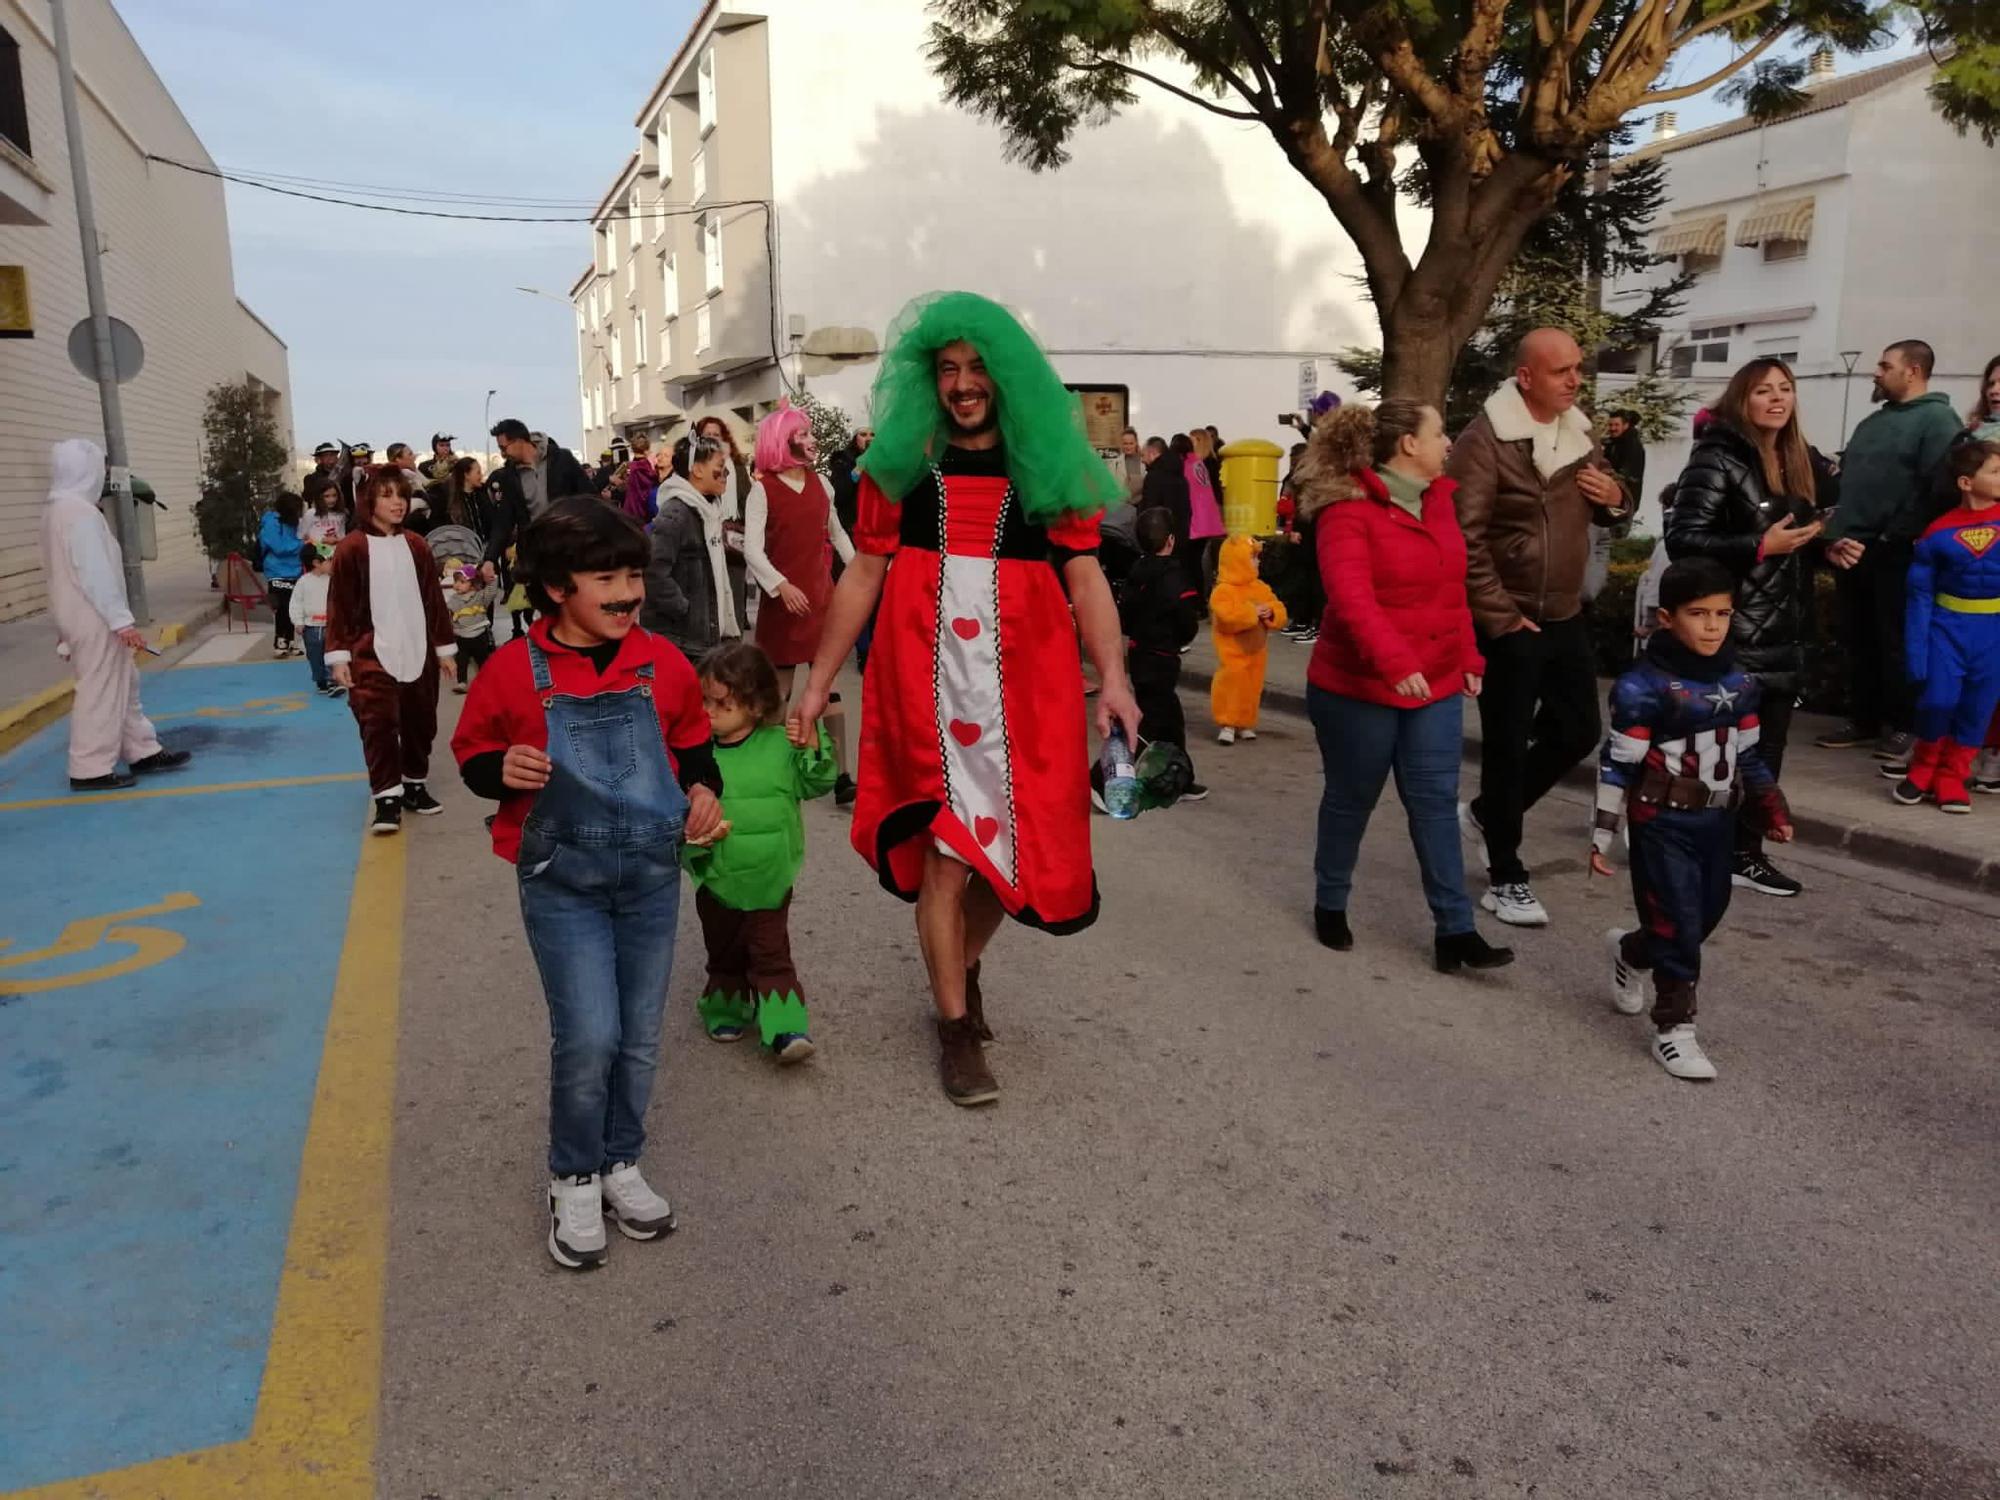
column 669, row 210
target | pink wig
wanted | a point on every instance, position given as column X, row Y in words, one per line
column 782, row 440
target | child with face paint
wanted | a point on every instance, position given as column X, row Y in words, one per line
column 591, row 735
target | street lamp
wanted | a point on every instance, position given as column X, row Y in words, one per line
column 486, row 422
column 1849, row 356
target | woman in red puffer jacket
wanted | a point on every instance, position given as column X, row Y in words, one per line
column 1395, row 660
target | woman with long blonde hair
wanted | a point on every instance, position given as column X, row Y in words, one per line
column 1754, row 497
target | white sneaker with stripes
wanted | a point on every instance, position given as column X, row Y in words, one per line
column 1680, row 1054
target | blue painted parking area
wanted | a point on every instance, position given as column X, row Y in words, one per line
column 167, row 962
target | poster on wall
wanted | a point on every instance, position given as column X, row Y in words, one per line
column 1105, row 409
column 17, row 319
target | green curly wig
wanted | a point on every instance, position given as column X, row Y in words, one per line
column 1055, row 470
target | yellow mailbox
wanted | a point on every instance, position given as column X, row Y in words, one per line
column 1250, row 486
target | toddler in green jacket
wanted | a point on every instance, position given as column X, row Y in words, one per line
column 743, row 881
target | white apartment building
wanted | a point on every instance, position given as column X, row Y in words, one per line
column 797, row 177
column 1859, row 219
column 167, row 272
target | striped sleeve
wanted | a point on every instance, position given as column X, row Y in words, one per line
column 1633, row 705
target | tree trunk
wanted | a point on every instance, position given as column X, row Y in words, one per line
column 1419, row 348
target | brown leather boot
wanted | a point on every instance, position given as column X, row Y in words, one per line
column 975, row 1006
column 962, row 1066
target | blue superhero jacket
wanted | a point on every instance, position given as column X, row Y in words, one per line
column 1953, row 602
column 1683, row 731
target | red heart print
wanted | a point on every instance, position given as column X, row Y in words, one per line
column 966, row 734
column 965, row 627
column 986, row 830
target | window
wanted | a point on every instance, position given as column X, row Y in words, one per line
column 599, row 407
column 711, row 251
column 13, row 95
column 698, row 175
column 585, row 395
column 660, row 213
column 1700, row 262
column 1784, row 250
column 663, row 147
column 704, row 330
column 1703, row 346
column 606, row 256
column 617, row 353
column 705, row 83
column 667, row 344
column 580, row 323
column 637, row 393
column 639, row 337
column 670, row 286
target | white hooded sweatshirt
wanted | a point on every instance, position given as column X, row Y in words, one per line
column 80, row 558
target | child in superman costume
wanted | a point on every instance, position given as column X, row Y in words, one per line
column 1951, row 632
column 1683, row 732
column 743, row 881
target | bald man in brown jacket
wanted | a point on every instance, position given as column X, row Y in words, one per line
column 1532, row 481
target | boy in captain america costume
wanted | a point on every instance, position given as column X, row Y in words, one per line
column 1951, row 632
column 1683, row 730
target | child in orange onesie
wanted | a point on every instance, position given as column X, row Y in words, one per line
column 1243, row 612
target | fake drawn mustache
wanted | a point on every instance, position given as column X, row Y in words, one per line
column 622, row 607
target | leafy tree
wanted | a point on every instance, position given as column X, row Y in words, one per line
column 1594, row 232
column 1501, row 103
column 243, row 459
column 830, row 428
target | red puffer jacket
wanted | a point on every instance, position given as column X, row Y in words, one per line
column 1395, row 597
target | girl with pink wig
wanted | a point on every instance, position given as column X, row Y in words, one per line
column 787, row 529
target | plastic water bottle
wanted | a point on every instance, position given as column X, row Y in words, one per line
column 1121, row 780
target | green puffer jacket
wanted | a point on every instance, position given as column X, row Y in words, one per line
column 764, row 779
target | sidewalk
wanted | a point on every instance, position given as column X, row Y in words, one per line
column 1839, row 799
column 35, row 684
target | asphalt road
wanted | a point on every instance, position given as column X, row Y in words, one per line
column 1251, row 1218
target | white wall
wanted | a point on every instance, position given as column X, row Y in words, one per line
column 1921, row 249
column 1171, row 229
column 167, row 273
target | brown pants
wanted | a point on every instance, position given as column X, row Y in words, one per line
column 398, row 723
column 749, row 952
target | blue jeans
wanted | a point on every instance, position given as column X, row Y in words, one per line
column 315, row 639
column 601, row 923
column 1359, row 744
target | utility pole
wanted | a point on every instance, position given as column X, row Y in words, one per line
column 125, row 514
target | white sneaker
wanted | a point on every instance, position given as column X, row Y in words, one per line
column 1225, row 736
column 1246, row 734
column 576, row 1222
column 1515, row 904
column 1628, row 985
column 1468, row 825
column 638, row 1211
column 1986, row 772
column 1681, row 1055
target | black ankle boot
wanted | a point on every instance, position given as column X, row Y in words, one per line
column 1469, row 950
column 1332, row 929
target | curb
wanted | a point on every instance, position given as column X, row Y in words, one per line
column 1867, row 842
column 20, row 720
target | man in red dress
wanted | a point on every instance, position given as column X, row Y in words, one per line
column 974, row 792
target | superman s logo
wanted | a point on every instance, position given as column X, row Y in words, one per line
column 1976, row 539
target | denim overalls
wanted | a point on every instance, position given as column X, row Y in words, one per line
column 599, row 872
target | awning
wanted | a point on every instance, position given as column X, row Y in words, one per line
column 1790, row 220
column 1693, row 237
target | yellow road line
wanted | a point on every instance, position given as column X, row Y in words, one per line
column 144, row 794
column 314, row 1434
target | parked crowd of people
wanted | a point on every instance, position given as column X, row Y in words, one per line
column 667, row 700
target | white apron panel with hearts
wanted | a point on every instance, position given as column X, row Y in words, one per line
column 972, row 726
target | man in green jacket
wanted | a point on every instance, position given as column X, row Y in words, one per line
column 1886, row 478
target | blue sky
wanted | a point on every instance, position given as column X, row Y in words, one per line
column 398, row 326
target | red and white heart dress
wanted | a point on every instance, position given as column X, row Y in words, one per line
column 973, row 723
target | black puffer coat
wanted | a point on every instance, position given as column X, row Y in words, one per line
column 1722, row 510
